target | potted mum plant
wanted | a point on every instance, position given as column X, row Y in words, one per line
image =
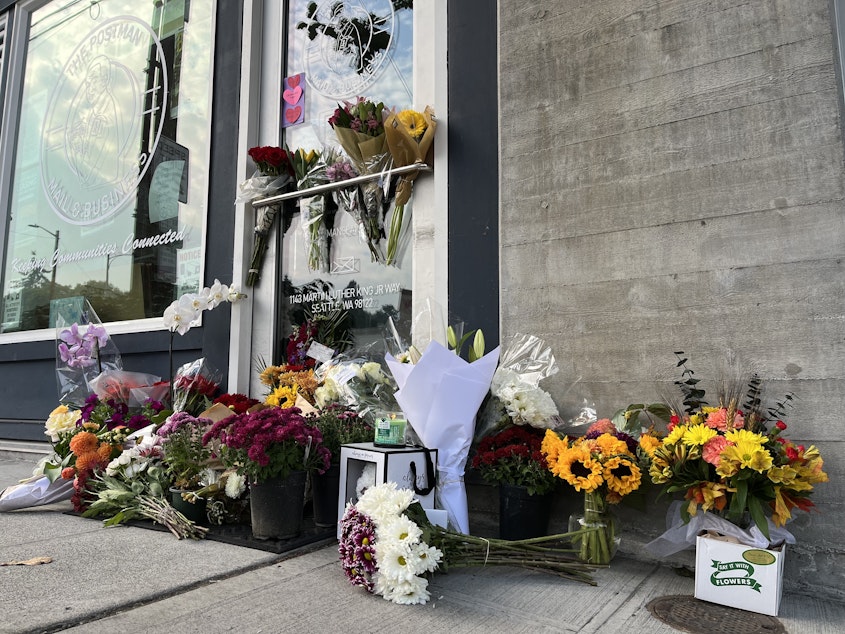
column 339, row 425
column 186, row 459
column 512, row 459
column 275, row 449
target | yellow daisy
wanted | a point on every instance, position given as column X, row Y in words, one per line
column 697, row 435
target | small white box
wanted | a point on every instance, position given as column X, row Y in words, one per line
column 383, row 464
column 739, row 576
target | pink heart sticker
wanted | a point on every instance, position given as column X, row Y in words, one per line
column 293, row 114
column 292, row 95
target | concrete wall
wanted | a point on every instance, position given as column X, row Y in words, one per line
column 672, row 179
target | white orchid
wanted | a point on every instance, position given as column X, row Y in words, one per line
column 217, row 294
column 180, row 315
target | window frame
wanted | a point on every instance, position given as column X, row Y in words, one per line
column 15, row 58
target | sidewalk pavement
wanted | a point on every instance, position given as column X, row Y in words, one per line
column 138, row 580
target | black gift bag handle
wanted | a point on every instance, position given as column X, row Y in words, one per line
column 429, row 472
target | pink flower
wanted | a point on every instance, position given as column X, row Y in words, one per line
column 713, row 448
column 602, row 426
column 718, row 419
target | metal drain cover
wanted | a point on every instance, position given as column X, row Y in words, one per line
column 688, row 614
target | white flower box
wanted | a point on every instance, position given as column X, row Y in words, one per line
column 739, row 576
column 364, row 464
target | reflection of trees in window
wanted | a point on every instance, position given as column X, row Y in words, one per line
column 109, row 302
column 357, row 35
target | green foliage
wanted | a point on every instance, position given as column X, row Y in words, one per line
column 693, row 396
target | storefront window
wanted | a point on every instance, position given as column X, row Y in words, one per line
column 109, row 181
column 339, row 51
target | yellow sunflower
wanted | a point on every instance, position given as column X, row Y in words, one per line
column 552, row 445
column 578, row 467
column 282, row 396
column 622, row 476
column 610, row 445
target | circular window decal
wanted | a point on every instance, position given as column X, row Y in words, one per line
column 104, row 121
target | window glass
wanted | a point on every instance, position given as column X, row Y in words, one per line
column 339, row 51
column 110, row 176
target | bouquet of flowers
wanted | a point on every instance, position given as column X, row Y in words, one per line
column 83, row 351
column 237, row 403
column 731, row 460
column 339, row 169
column 357, row 383
column 606, row 465
column 516, row 397
column 273, row 175
column 513, row 456
column 359, row 127
column 388, row 546
column 287, row 384
column 410, row 136
column 134, row 485
column 195, row 386
column 310, row 171
column 268, row 443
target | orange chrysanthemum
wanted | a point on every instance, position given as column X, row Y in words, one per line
column 87, row 461
column 84, row 442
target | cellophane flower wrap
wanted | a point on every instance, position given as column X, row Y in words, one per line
column 310, row 171
column 390, row 548
column 732, row 460
column 606, row 465
column 273, row 174
column 410, row 138
column 268, row 443
column 358, row 383
column 339, row 168
column 195, row 386
column 84, row 349
column 516, row 397
column 359, row 127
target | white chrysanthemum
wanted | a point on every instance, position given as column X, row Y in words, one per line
column 235, row 485
column 61, row 419
column 384, row 501
column 411, row 592
column 428, row 556
column 400, row 529
column 395, row 561
column 524, row 402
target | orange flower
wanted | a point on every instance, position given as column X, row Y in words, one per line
column 68, row 473
column 87, row 461
column 84, row 442
column 104, row 453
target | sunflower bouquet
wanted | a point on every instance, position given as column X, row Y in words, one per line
column 410, row 136
column 606, row 465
